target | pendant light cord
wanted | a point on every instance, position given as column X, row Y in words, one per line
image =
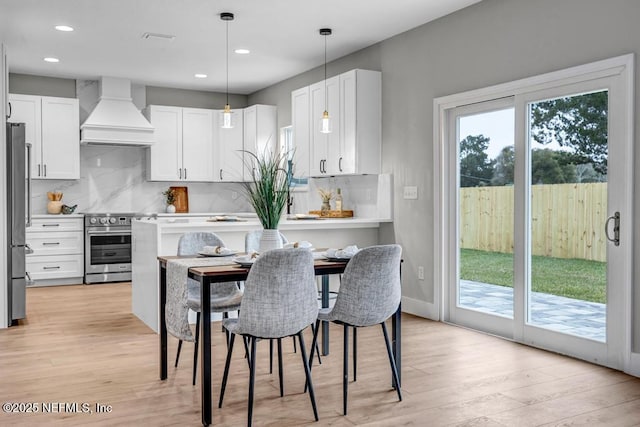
column 326, row 96
column 227, row 63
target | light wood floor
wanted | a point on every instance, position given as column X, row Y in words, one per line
column 82, row 344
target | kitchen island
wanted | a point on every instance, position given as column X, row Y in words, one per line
column 159, row 237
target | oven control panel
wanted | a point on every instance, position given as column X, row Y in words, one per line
column 107, row 220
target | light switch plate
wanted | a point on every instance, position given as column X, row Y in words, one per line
column 410, row 193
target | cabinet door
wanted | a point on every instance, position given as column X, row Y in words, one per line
column 333, row 138
column 259, row 132
column 197, row 144
column 347, row 152
column 301, row 131
column 319, row 140
column 229, row 160
column 60, row 138
column 26, row 109
column 52, row 243
column 164, row 157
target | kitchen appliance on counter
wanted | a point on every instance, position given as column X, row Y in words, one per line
column 108, row 246
column 18, row 218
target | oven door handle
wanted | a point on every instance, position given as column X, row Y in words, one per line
column 92, row 232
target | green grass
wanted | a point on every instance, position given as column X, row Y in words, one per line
column 573, row 278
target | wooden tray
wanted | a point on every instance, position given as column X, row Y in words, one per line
column 182, row 199
column 333, row 214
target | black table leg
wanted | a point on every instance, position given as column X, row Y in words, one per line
column 205, row 348
column 325, row 325
column 163, row 322
column 396, row 337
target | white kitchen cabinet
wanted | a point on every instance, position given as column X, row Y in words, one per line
column 183, row 144
column 229, row 159
column 353, row 100
column 360, row 122
column 325, row 146
column 301, row 132
column 52, row 128
column 58, row 250
column 260, row 133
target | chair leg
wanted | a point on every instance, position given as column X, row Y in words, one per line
column 252, row 378
column 295, row 350
column 345, row 369
column 178, row 354
column 271, row 356
column 392, row 360
column 317, row 349
column 355, row 352
column 195, row 346
column 227, row 364
column 246, row 351
column 314, row 347
column 307, row 371
column 225, row 315
column 280, row 378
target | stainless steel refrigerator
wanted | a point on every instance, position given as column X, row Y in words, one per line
column 18, row 218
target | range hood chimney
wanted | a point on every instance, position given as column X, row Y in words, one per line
column 116, row 120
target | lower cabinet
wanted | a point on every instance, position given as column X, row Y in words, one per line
column 58, row 251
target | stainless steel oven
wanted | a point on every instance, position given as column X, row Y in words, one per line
column 107, row 248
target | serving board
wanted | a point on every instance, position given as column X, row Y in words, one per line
column 333, row 214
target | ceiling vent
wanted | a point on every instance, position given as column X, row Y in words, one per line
column 116, row 120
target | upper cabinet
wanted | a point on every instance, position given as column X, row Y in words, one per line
column 228, row 161
column 353, row 100
column 183, row 147
column 52, row 128
column 260, row 133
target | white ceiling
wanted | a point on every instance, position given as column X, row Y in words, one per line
column 281, row 34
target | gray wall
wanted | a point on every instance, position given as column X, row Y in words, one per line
column 491, row 42
column 27, row 84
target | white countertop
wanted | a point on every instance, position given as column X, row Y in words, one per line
column 51, row 216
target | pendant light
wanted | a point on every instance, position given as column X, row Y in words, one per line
column 227, row 114
column 325, row 121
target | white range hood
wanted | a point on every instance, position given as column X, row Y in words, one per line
column 116, row 120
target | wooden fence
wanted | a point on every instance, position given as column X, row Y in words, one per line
column 567, row 220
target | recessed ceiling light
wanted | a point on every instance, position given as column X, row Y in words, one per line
column 242, row 51
column 64, row 28
column 200, row 76
column 51, row 59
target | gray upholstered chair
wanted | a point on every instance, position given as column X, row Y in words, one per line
column 369, row 294
column 279, row 301
column 225, row 297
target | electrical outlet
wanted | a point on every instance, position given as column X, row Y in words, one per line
column 410, row 193
column 234, row 195
column 420, row 273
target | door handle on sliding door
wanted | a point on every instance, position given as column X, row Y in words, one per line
column 616, row 228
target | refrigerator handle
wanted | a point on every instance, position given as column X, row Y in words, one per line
column 28, row 224
column 9, row 104
column 27, row 249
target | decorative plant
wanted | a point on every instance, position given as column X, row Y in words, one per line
column 170, row 196
column 326, row 195
column 268, row 190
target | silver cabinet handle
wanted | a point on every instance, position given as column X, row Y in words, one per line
column 221, row 175
column 51, row 225
column 50, row 243
column 185, row 173
column 616, row 228
column 29, row 213
column 39, row 169
column 57, row 267
column 45, row 170
column 180, row 173
column 340, row 164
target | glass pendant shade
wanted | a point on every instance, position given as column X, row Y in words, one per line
column 227, row 118
column 325, row 123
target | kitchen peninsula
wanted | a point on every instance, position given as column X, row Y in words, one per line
column 157, row 237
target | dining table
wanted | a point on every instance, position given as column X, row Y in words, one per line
column 233, row 272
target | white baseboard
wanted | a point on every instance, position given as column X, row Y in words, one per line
column 420, row 308
column 634, row 365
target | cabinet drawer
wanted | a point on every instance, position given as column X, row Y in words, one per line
column 55, row 243
column 55, row 266
column 56, row 224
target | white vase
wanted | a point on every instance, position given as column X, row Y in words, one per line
column 270, row 239
column 171, row 209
